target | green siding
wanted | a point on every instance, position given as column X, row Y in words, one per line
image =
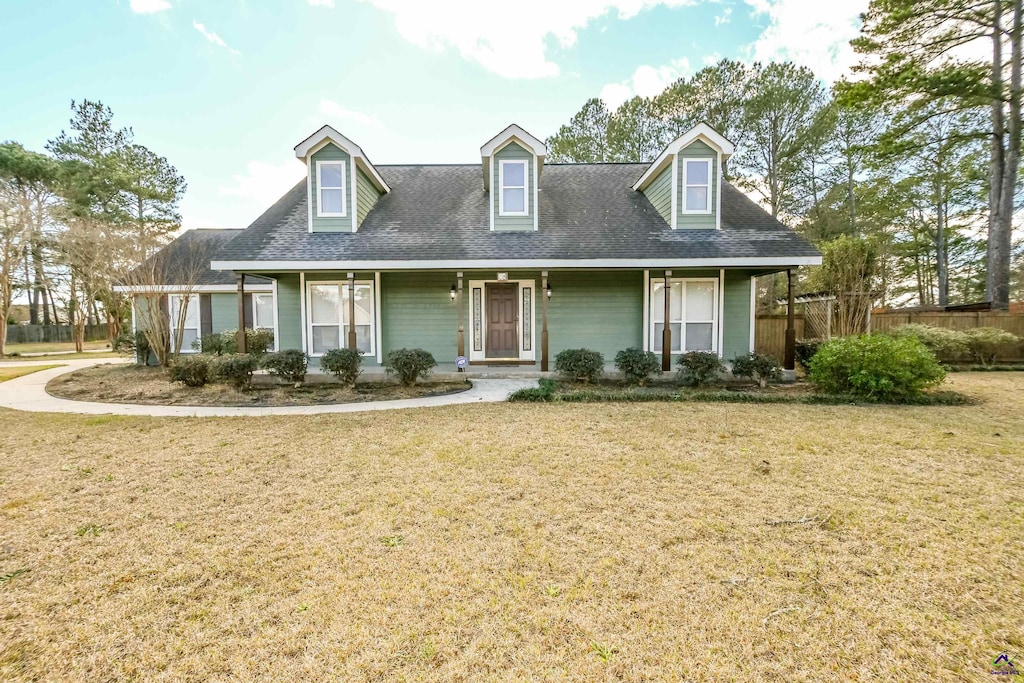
column 344, row 224
column 698, row 148
column 417, row 312
column 660, row 193
column 289, row 317
column 602, row 311
column 509, row 152
column 225, row 311
column 736, row 317
column 366, row 196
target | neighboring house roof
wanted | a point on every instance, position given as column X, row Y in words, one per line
column 440, row 213
column 180, row 261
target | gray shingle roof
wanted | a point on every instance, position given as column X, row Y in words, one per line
column 587, row 211
column 179, row 259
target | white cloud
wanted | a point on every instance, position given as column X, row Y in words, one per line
column 264, row 180
column 712, row 59
column 149, row 6
column 212, row 37
column 321, row 3
column 647, row 81
column 507, row 40
column 811, row 33
column 724, row 17
column 334, row 110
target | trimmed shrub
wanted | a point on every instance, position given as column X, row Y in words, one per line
column 235, row 369
column 142, row 348
column 343, row 364
column 541, row 393
column 876, row 367
column 805, row 350
column 257, row 342
column 290, row 364
column 580, row 365
column 211, row 344
column 759, row 367
column 697, row 368
column 986, row 343
column 124, row 344
column 409, row 364
column 192, row 371
column 637, row 365
column 947, row 344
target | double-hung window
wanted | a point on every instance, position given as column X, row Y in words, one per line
column 263, row 311
column 513, row 200
column 693, row 315
column 697, row 186
column 184, row 314
column 330, row 183
column 329, row 317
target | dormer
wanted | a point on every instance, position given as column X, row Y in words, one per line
column 512, row 162
column 341, row 182
column 685, row 182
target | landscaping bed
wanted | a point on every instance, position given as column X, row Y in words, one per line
column 151, row 386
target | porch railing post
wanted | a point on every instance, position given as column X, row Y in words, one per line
column 666, row 332
column 241, row 313
column 352, row 311
column 543, row 321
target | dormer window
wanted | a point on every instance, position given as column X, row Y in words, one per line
column 512, row 179
column 330, row 182
column 697, row 186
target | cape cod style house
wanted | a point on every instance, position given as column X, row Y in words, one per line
column 505, row 262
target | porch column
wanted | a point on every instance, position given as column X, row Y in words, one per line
column 462, row 315
column 666, row 332
column 352, row 311
column 789, row 363
column 543, row 320
column 240, row 279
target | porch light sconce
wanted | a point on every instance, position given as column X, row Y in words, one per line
column 548, row 291
column 452, row 293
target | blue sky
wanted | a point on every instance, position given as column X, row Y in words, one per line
column 225, row 89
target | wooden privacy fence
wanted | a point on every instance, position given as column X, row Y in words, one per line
column 770, row 330
column 37, row 334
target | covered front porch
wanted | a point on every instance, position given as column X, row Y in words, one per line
column 513, row 323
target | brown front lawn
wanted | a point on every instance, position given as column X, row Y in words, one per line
column 496, row 542
column 10, row 372
column 134, row 384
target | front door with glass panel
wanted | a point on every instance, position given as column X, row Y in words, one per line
column 693, row 315
column 502, row 321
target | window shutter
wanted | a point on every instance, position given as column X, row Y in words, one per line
column 205, row 315
column 247, row 305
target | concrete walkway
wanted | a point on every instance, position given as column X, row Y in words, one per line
column 29, row 393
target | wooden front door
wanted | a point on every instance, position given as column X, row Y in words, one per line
column 502, row 316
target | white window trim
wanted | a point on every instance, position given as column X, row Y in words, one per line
column 481, row 355
column 273, row 304
column 525, row 187
column 716, row 310
column 707, row 161
column 320, row 213
column 342, row 327
column 193, row 299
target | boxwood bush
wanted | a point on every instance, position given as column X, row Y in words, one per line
column 637, row 365
column 343, row 364
column 805, row 350
column 697, row 368
column 409, row 364
column 580, row 365
column 986, row 343
column 876, row 367
column 289, row 364
column 192, row 371
column 235, row 369
column 759, row 367
column 945, row 343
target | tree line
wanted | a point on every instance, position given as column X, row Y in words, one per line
column 917, row 156
column 78, row 216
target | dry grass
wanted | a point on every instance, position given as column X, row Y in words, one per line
column 150, row 386
column 564, row 542
column 54, row 347
column 7, row 373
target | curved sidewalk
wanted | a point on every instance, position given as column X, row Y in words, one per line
column 28, row 393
